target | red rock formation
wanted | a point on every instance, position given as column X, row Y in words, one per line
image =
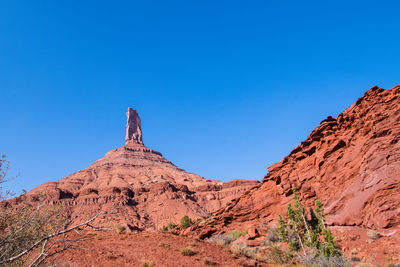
column 133, row 128
column 351, row 163
column 141, row 187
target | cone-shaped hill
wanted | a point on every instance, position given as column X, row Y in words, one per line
column 139, row 186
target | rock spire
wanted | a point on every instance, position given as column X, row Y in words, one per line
column 133, row 128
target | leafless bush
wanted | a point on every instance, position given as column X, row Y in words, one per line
column 147, row 263
column 209, row 261
column 373, row 235
column 275, row 254
column 312, row 259
column 29, row 235
column 273, row 235
column 163, row 245
column 187, row 252
column 222, row 240
column 243, row 249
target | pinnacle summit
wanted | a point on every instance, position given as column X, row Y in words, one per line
column 133, row 128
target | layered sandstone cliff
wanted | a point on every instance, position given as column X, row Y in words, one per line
column 351, row 163
column 138, row 186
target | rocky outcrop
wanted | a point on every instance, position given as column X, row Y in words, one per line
column 351, row 163
column 138, row 186
column 133, row 128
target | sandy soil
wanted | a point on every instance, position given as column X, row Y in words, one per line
column 134, row 249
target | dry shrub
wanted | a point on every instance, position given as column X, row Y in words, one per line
column 121, row 229
column 243, row 249
column 163, row 245
column 209, row 261
column 273, row 235
column 319, row 260
column 187, row 252
column 235, row 234
column 111, row 257
column 222, row 240
column 147, row 263
column 277, row 255
column 30, row 233
column 373, row 235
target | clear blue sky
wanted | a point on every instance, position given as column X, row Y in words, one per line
column 224, row 88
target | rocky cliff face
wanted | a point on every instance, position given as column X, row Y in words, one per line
column 140, row 187
column 133, row 128
column 351, row 163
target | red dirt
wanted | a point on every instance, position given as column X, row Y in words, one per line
column 356, row 243
column 132, row 249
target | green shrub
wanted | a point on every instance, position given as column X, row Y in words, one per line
column 300, row 232
column 171, row 226
column 235, row 234
column 164, row 229
column 186, row 222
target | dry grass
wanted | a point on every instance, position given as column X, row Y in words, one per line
column 121, row 229
column 147, row 263
column 242, row 249
column 373, row 235
column 187, row 252
column 163, row 245
column 209, row 261
column 222, row 240
column 111, row 257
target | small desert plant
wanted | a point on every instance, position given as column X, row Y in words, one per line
column 353, row 251
column 300, row 232
column 111, row 257
column 164, row 229
column 319, row 260
column 237, row 248
column 186, row 222
column 163, row 245
column 273, row 235
column 171, row 226
column 355, row 259
column 277, row 255
column 373, row 235
column 187, row 252
column 121, row 229
column 208, row 261
column 235, row 234
column 221, row 240
column 147, row 263
column 242, row 249
column 31, row 233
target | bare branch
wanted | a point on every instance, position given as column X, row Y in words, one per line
column 46, row 238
